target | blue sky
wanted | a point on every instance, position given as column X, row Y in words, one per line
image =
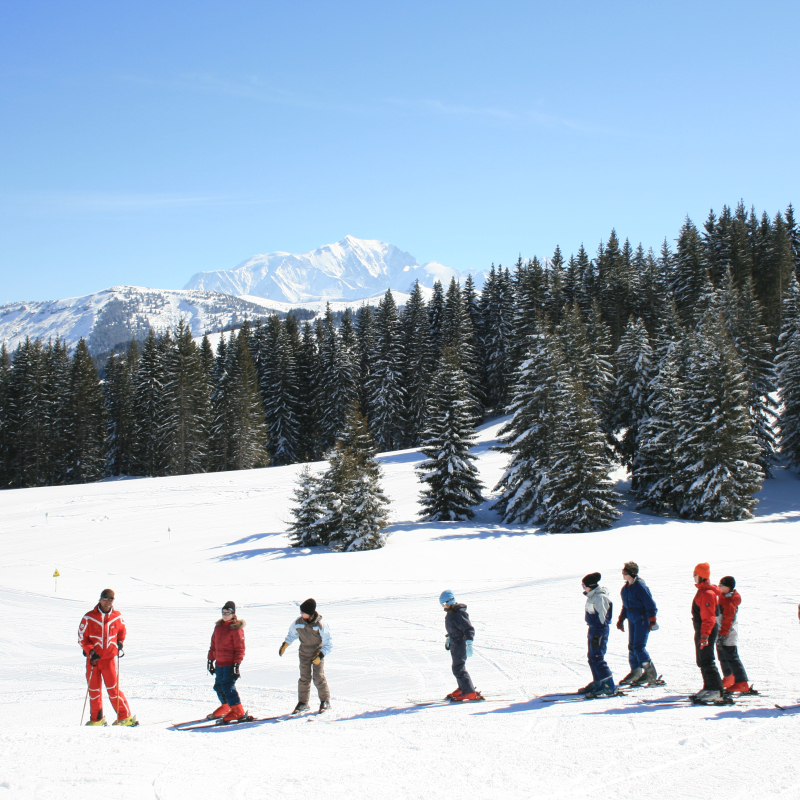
column 144, row 141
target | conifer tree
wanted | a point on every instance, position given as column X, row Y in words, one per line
column 150, row 459
column 85, row 423
column 365, row 358
column 690, row 280
column 717, row 472
column 308, row 447
column 788, row 361
column 119, row 399
column 452, row 486
column 435, row 319
column 307, row 510
column 6, row 377
column 457, row 336
column 417, row 347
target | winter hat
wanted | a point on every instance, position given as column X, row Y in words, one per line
column 728, row 581
column 229, row 606
column 107, row 594
column 703, row 570
column 447, row 598
column 592, row 579
column 632, row 568
column 308, row 606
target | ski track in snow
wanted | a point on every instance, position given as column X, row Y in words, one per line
column 175, row 549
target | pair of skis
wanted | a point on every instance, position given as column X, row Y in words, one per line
column 206, row 723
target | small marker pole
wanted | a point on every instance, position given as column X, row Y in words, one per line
column 56, row 575
column 169, row 534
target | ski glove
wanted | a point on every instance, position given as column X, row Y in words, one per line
column 621, row 624
column 653, row 624
column 595, row 642
column 283, row 648
column 93, row 657
column 210, row 666
column 120, row 651
column 318, row 658
column 703, row 642
column 469, row 648
column 447, row 642
column 236, row 673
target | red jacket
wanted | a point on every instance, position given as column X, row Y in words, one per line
column 101, row 632
column 729, row 604
column 227, row 643
column 704, row 608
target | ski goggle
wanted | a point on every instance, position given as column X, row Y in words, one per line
column 227, row 613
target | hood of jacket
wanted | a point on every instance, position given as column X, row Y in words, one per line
column 235, row 623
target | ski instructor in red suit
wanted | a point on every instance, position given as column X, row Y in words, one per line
column 101, row 635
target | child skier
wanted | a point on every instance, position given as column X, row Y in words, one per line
column 639, row 608
column 315, row 645
column 458, row 641
column 101, row 636
column 706, row 627
column 224, row 657
column 735, row 678
column 598, row 618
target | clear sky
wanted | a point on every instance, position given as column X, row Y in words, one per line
column 143, row 141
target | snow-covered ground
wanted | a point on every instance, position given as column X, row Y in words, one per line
column 175, row 549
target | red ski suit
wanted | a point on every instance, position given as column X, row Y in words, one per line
column 101, row 632
column 704, row 608
column 227, row 643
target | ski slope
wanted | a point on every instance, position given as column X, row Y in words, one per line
column 175, row 549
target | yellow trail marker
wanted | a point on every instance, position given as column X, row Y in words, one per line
column 56, row 575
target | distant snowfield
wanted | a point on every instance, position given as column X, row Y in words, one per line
column 175, row 549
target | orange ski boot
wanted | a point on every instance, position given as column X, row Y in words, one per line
column 235, row 714
column 220, row 712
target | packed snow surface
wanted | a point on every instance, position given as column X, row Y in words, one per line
column 175, row 549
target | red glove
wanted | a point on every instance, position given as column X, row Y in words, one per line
column 621, row 624
column 704, row 642
column 653, row 624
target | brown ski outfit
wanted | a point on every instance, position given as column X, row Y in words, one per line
column 315, row 638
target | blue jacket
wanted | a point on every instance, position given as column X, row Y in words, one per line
column 457, row 623
column 598, row 610
column 637, row 601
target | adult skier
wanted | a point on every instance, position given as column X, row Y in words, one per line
column 315, row 645
column 734, row 677
column 225, row 656
column 458, row 641
column 101, row 636
column 706, row 627
column 639, row 608
column 598, row 618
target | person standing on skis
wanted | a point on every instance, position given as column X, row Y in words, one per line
column 315, row 645
column 734, row 677
column 639, row 608
column 101, row 636
column 598, row 618
column 706, row 628
column 458, row 641
column 225, row 655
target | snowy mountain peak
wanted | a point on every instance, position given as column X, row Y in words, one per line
column 349, row 269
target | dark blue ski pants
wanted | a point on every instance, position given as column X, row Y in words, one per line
column 730, row 662
column 598, row 642
column 638, row 631
column 225, row 687
column 458, row 652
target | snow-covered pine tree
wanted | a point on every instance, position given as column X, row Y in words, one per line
column 85, row 422
column 457, row 336
column 635, row 370
column 365, row 359
column 497, row 313
column 387, row 397
column 690, row 274
column 527, row 435
column 187, row 406
column 59, row 369
column 363, row 506
column 6, row 374
column 576, row 493
column 435, row 319
column 118, row 397
column 788, row 361
column 417, row 347
column 452, row 486
column 308, row 446
column 716, row 455
column 306, row 511
column 149, row 456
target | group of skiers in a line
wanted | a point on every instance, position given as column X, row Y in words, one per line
column 715, row 611
column 101, row 636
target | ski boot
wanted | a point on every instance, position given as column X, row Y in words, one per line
column 220, row 712
column 649, row 676
column 99, row 722
column 325, row 705
column 300, row 708
column 473, row 697
column 709, row 697
column 455, row 696
column 727, row 682
column 235, row 714
column 128, row 722
column 631, row 677
column 742, row 688
column 603, row 688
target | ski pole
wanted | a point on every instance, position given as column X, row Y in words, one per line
column 88, row 684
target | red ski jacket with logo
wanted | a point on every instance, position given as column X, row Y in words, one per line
column 704, row 608
column 227, row 643
column 729, row 603
column 101, row 632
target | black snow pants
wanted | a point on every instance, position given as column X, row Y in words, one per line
column 730, row 662
column 458, row 652
column 706, row 662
